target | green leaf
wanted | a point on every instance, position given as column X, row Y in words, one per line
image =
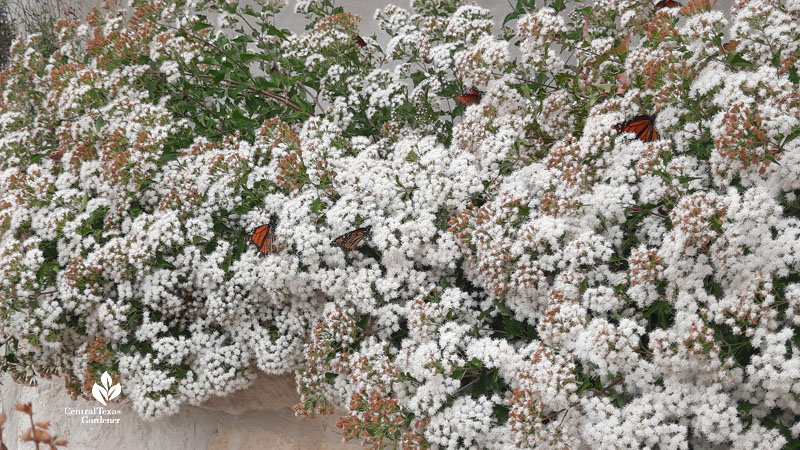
column 746, row 407
column 220, row 227
column 791, row 136
column 485, row 313
column 272, row 31
column 525, row 90
column 318, row 205
column 266, row 84
column 46, row 273
column 574, row 35
column 95, row 222
column 770, row 157
column 659, row 314
column 513, row 328
column 501, row 413
column 135, row 210
column 237, row 114
column 663, row 175
column 162, row 263
column 736, row 60
column 229, row 7
column 250, row 12
column 418, row 77
column 503, row 310
column 200, row 25
column 218, row 75
column 179, row 372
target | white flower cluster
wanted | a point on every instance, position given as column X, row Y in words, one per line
column 535, row 272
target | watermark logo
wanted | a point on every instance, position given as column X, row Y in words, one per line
column 106, row 392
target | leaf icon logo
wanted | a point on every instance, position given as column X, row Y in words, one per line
column 106, row 392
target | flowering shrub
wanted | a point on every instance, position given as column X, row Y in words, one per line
column 535, row 275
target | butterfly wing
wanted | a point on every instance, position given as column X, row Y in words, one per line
column 466, row 100
column 650, row 134
column 643, row 126
column 639, row 126
column 668, row 4
column 264, row 238
column 471, row 97
column 647, row 132
column 351, row 239
column 730, row 46
column 360, row 42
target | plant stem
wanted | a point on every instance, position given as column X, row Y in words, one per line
column 33, row 431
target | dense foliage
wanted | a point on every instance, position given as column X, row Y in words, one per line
column 533, row 276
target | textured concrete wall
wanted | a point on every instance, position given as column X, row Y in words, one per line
column 260, row 417
column 366, row 10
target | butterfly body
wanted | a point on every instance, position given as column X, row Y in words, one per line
column 643, row 126
column 264, row 238
column 668, row 4
column 471, row 97
column 351, row 239
column 360, row 42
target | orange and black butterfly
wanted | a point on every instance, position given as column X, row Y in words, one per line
column 730, row 46
column 643, row 126
column 264, row 237
column 360, row 42
column 351, row 239
column 668, row 4
column 471, row 97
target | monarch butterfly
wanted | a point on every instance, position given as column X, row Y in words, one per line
column 350, row 240
column 668, row 4
column 471, row 97
column 643, row 126
column 359, row 41
column 730, row 46
column 264, row 237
